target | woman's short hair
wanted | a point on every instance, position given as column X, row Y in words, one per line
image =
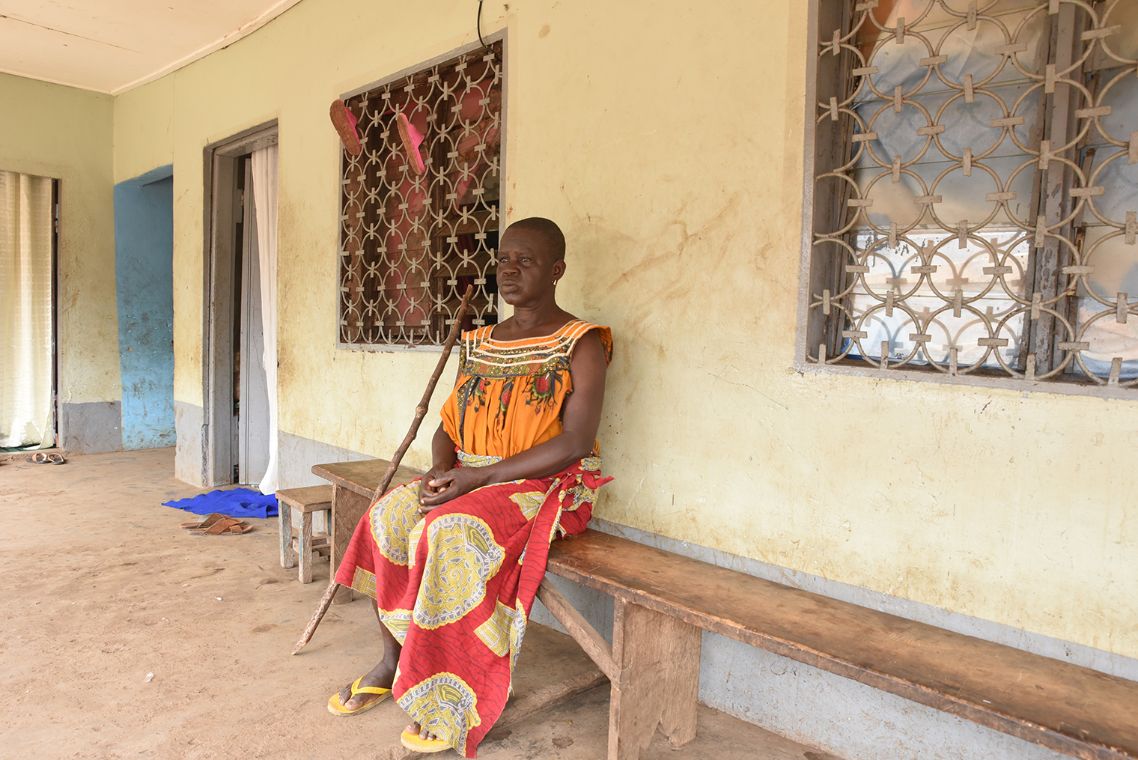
column 550, row 233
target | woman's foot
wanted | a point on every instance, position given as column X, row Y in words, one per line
column 418, row 739
column 415, row 728
column 381, row 676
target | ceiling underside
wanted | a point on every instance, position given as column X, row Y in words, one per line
column 113, row 45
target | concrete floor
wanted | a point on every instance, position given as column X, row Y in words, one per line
column 125, row 636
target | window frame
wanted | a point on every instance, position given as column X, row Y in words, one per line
column 816, row 143
column 499, row 36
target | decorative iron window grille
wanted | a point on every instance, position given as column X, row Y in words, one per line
column 975, row 189
column 415, row 231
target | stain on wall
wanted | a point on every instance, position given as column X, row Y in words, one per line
column 144, row 260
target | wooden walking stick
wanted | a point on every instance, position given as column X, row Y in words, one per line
column 385, row 481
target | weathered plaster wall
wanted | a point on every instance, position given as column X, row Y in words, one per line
column 65, row 133
column 144, row 280
column 667, row 139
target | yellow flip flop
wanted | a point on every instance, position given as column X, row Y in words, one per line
column 336, row 707
column 416, row 743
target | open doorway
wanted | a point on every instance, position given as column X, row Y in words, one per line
column 28, row 324
column 240, row 310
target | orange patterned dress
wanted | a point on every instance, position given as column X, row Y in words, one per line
column 456, row 588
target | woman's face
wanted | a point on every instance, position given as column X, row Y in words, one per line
column 526, row 268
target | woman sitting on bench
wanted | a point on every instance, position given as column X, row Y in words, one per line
column 454, row 560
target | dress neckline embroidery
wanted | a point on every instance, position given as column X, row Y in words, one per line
column 538, row 339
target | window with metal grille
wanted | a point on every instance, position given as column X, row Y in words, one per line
column 420, row 205
column 972, row 210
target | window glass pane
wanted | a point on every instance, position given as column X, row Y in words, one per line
column 966, row 243
column 1113, row 276
column 944, row 289
column 1108, row 290
column 1121, row 47
column 1118, row 91
column 977, row 51
column 977, row 126
column 1109, row 340
column 986, row 307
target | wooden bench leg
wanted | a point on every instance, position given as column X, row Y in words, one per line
column 284, row 519
column 584, row 634
column 658, row 658
column 347, row 509
column 331, row 559
column 304, row 548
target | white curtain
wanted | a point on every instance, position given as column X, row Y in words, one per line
column 26, row 411
column 265, row 202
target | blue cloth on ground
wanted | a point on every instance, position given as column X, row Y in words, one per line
column 235, row 502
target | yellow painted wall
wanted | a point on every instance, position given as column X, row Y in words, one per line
column 63, row 132
column 666, row 137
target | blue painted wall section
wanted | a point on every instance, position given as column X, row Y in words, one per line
column 144, row 257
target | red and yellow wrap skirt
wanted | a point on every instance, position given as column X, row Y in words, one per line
column 456, row 588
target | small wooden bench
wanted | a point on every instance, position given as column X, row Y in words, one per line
column 353, row 485
column 306, row 501
column 662, row 601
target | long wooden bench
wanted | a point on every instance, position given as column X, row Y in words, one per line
column 663, row 601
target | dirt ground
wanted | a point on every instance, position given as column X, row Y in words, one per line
column 124, row 636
